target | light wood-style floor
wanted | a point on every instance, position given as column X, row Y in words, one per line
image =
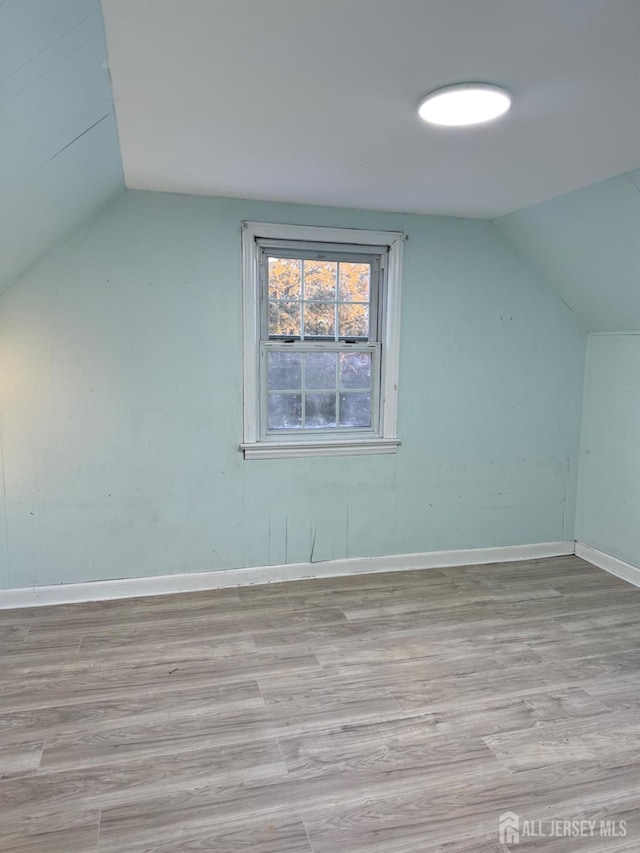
column 389, row 713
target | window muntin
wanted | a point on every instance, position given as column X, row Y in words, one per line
column 320, row 298
column 319, row 349
column 319, row 387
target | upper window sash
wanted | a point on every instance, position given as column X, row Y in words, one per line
column 376, row 262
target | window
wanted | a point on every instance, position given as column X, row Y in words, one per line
column 321, row 313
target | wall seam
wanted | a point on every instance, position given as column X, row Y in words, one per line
column 580, row 478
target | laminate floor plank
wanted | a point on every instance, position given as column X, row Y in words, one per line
column 443, row 634
column 205, row 627
column 566, row 648
column 238, row 647
column 75, row 831
column 82, row 680
column 399, row 712
column 565, row 741
column 399, row 819
column 220, row 611
column 322, row 752
column 426, row 681
column 549, row 675
column 119, row 779
column 620, row 695
column 20, row 759
column 622, row 620
column 28, row 658
column 412, row 650
column 114, row 609
column 468, row 796
column 11, row 635
column 262, row 835
column 90, row 715
column 196, row 732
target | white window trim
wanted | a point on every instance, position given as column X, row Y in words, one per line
column 253, row 445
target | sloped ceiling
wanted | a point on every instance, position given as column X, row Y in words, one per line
column 61, row 163
column 60, row 154
column 315, row 102
column 587, row 244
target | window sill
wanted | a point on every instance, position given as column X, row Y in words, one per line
column 347, row 447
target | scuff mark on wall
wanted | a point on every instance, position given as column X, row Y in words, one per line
column 565, row 480
column 286, row 539
column 346, row 544
column 314, row 533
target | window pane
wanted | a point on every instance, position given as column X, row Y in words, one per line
column 284, row 319
column 319, row 320
column 320, row 370
column 285, row 371
column 354, row 282
column 353, row 321
column 320, row 410
column 320, row 280
column 284, row 278
column 285, row 411
column 355, row 410
column 355, row 370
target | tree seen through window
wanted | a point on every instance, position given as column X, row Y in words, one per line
column 311, row 298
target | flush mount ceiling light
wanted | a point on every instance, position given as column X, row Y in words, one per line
column 464, row 104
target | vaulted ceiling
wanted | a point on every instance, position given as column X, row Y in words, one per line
column 315, row 102
column 60, row 156
column 587, row 244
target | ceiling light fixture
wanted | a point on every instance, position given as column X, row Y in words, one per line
column 464, row 104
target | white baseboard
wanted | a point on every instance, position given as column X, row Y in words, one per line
column 610, row 564
column 194, row 581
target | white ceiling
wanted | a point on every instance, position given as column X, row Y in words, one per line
column 314, row 101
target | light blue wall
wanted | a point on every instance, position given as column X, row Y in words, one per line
column 60, row 154
column 609, row 494
column 120, row 404
column 587, row 243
